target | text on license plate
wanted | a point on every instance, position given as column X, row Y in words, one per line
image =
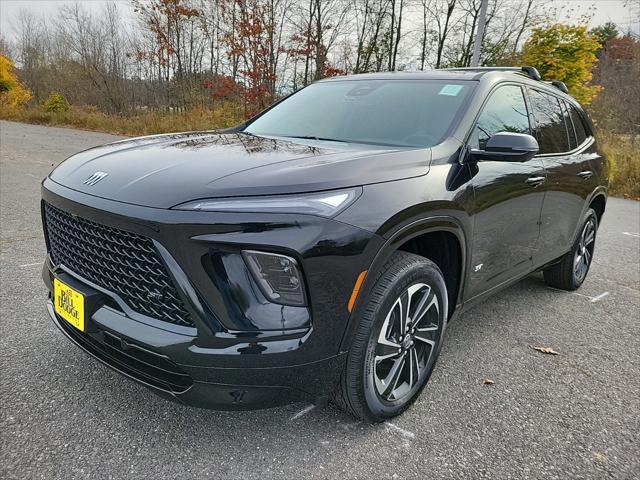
column 69, row 304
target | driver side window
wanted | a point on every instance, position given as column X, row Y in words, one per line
column 505, row 111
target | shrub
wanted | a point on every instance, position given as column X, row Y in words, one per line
column 624, row 168
column 56, row 103
column 143, row 122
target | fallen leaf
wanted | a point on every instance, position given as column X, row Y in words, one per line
column 488, row 381
column 547, row 350
column 601, row 457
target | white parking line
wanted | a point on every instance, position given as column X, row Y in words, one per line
column 401, row 431
column 581, row 295
column 302, row 412
column 599, row 297
column 591, row 299
column 632, row 234
column 31, row 264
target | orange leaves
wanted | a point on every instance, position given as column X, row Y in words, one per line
column 330, row 71
column 623, row 48
column 166, row 20
column 253, row 44
column 225, row 87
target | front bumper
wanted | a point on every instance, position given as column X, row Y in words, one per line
column 206, row 387
column 227, row 360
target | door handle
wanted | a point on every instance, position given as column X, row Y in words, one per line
column 585, row 174
column 535, row 181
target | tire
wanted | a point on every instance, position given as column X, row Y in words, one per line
column 367, row 388
column 571, row 271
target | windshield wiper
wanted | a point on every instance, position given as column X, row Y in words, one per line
column 325, row 139
column 313, row 137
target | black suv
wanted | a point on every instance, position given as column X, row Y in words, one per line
column 320, row 248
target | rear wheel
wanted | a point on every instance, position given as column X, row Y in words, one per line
column 571, row 271
column 398, row 339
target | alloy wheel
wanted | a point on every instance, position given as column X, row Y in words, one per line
column 406, row 342
column 584, row 250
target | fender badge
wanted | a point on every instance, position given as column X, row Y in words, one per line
column 95, row 178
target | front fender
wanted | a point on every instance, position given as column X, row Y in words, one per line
column 393, row 241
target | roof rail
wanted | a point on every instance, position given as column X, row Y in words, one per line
column 559, row 85
column 530, row 72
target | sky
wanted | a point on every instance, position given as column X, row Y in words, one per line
column 617, row 11
column 9, row 9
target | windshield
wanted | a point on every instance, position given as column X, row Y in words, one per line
column 405, row 113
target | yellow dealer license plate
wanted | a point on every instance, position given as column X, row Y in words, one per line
column 69, row 304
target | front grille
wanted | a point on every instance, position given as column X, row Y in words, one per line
column 122, row 262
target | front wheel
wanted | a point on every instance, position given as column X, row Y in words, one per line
column 398, row 339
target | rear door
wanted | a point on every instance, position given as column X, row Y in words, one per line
column 563, row 138
column 508, row 197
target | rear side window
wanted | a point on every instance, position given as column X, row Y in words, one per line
column 567, row 121
column 550, row 123
column 505, row 111
column 578, row 125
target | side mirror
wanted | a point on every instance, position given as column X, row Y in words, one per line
column 508, row 147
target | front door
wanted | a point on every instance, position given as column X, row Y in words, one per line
column 508, row 197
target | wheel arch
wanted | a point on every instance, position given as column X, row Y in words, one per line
column 598, row 203
column 598, row 199
column 401, row 240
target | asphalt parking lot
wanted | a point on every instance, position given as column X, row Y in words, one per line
column 573, row 415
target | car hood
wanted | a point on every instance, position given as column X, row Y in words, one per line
column 165, row 170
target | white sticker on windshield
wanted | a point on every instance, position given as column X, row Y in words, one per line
column 450, row 90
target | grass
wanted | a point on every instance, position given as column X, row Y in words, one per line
column 623, row 156
column 143, row 123
column 622, row 151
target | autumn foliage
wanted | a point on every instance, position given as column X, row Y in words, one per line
column 12, row 92
column 253, row 43
column 566, row 53
column 56, row 103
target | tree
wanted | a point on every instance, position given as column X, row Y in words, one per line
column 255, row 36
column 372, row 23
column 178, row 48
column 318, row 24
column 443, row 25
column 379, row 31
column 507, row 22
column 605, row 32
column 617, row 108
column 566, row 53
column 12, row 92
column 5, row 46
column 395, row 32
column 56, row 103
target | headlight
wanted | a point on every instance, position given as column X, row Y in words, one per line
column 324, row 204
column 278, row 276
